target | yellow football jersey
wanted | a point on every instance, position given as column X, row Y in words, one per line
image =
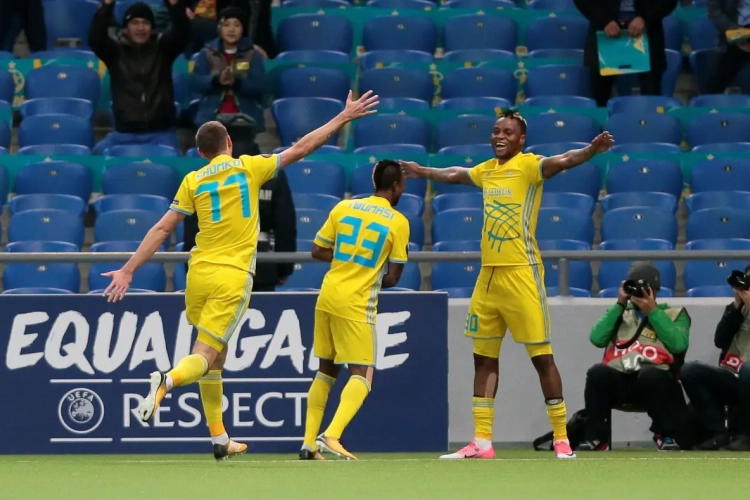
column 224, row 194
column 512, row 194
column 364, row 234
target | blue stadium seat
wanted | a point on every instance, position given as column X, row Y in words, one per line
column 55, row 129
column 400, row 33
column 720, row 147
column 555, row 148
column 719, row 244
column 553, row 291
column 450, row 201
column 401, row 104
column 457, row 224
column 639, row 222
column 480, row 4
column 125, row 225
column 673, row 36
column 69, row 20
column 7, row 86
column 709, row 272
column 473, row 245
column 454, row 275
column 560, row 127
column 556, row 33
column 61, row 53
column 474, row 103
column 663, row 201
column 192, row 153
column 140, row 178
column 297, row 116
column 55, row 177
column 460, row 292
column 474, row 31
column 710, row 291
column 317, row 176
column 564, row 224
column 315, row 4
column 579, row 271
column 325, row 149
column 36, row 291
column 55, row 149
column 645, row 175
column 641, row 244
column 560, row 101
column 391, row 129
column 5, row 135
column 72, row 204
column 309, row 223
column 480, row 82
column 613, row 292
column 626, row 83
column 718, row 199
column 411, row 205
column 4, row 182
column 401, row 4
column 585, row 179
column 646, row 147
column 314, row 201
column 391, row 150
column 702, row 34
column 553, row 5
column 464, row 129
column 557, row 80
column 142, row 150
column 306, row 275
column 645, row 127
column 4, row 55
column 702, row 62
column 41, row 246
column 478, row 55
column 416, row 230
column 379, row 58
column 470, row 150
column 46, row 224
column 63, row 81
column 314, row 32
column 314, row 56
column 361, row 182
column 63, row 276
column 720, row 127
column 410, row 277
column 613, row 272
column 718, row 223
column 575, row 54
column 150, row 276
column 720, row 101
column 575, row 201
column 642, row 104
column 314, row 82
column 398, row 82
column 150, row 202
column 57, row 106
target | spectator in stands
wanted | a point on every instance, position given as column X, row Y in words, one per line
column 230, row 76
column 625, row 18
column 140, row 68
column 711, row 388
column 278, row 232
column 26, row 16
column 645, row 346
column 728, row 15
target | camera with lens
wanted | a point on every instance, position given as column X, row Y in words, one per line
column 739, row 280
column 636, row 288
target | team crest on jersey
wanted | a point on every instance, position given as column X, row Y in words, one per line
column 81, row 411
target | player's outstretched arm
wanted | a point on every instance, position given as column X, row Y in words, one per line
column 306, row 146
column 154, row 238
column 556, row 164
column 450, row 175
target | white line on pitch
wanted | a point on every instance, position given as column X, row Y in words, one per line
column 204, row 439
column 81, row 440
column 80, row 381
column 234, row 380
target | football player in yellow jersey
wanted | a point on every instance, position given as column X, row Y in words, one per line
column 224, row 194
column 366, row 241
column 509, row 293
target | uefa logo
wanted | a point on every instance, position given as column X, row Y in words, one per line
column 81, row 411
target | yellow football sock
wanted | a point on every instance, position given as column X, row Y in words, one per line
column 483, row 411
column 190, row 369
column 212, row 391
column 557, row 414
column 352, row 397
column 317, row 397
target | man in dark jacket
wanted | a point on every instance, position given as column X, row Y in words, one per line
column 625, row 18
column 727, row 15
column 278, row 232
column 711, row 388
column 140, row 68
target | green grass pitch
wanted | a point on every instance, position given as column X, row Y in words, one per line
column 513, row 475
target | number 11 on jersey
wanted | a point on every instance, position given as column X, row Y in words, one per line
column 212, row 188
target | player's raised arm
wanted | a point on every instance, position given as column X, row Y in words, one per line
column 306, row 146
column 450, row 175
column 555, row 164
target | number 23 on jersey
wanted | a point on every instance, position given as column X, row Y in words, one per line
column 373, row 237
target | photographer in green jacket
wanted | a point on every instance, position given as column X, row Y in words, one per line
column 645, row 345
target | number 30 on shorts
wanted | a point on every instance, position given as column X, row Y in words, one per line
column 472, row 323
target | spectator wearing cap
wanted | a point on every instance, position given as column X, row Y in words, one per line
column 645, row 345
column 140, row 63
column 229, row 74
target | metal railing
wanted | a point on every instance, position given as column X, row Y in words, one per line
column 563, row 258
